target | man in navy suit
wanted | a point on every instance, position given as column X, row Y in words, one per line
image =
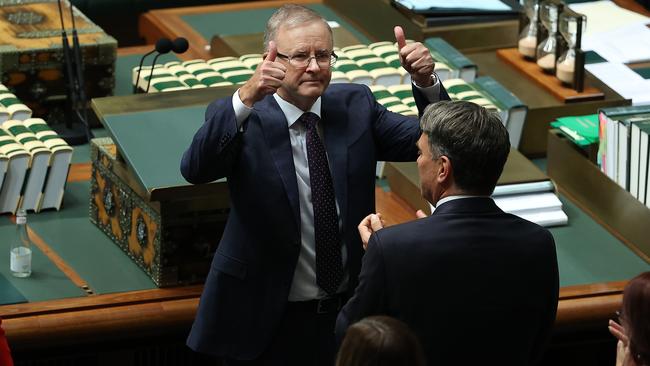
column 477, row 285
column 300, row 161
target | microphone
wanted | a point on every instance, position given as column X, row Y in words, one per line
column 179, row 45
column 163, row 45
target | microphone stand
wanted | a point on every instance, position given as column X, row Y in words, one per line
column 153, row 65
column 80, row 85
column 69, row 131
column 137, row 78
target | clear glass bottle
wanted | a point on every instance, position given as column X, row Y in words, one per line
column 21, row 248
column 549, row 16
column 565, row 66
column 528, row 37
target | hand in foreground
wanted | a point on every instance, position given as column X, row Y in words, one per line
column 623, row 356
column 622, row 349
column 368, row 226
column 266, row 80
column 618, row 331
column 415, row 58
column 420, row 214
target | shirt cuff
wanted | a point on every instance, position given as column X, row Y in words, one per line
column 242, row 111
column 432, row 93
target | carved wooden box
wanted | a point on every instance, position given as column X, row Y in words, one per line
column 32, row 60
column 172, row 241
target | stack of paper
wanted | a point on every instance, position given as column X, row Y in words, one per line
column 447, row 12
column 535, row 202
column 622, row 80
column 620, row 37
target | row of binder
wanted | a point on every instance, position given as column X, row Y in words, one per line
column 34, row 160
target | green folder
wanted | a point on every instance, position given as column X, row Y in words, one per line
column 582, row 130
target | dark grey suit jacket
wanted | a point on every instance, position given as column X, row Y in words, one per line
column 477, row 285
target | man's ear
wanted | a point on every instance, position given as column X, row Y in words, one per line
column 445, row 170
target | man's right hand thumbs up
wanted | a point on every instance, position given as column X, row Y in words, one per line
column 272, row 53
column 415, row 59
column 399, row 37
column 266, row 80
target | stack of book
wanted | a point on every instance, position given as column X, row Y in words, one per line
column 461, row 67
column 624, row 148
column 485, row 91
column 374, row 64
column 396, row 98
column 34, row 161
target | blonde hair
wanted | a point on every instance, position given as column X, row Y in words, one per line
column 291, row 15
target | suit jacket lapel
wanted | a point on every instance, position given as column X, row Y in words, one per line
column 274, row 126
column 335, row 123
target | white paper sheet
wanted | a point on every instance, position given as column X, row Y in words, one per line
column 623, row 80
column 604, row 15
column 627, row 44
column 462, row 4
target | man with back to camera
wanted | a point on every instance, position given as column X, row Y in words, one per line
column 300, row 160
column 477, row 285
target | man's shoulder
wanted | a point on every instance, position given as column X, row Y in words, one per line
column 219, row 105
column 406, row 232
column 533, row 228
column 506, row 223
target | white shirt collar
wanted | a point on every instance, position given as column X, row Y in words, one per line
column 451, row 198
column 292, row 113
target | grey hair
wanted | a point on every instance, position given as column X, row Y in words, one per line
column 473, row 138
column 291, row 15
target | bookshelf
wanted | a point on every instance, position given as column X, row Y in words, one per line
column 602, row 198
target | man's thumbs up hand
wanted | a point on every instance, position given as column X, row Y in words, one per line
column 415, row 58
column 266, row 80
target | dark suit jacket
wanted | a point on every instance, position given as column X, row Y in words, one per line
column 477, row 285
column 252, row 271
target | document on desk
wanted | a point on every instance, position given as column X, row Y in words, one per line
column 487, row 5
column 603, row 16
column 622, row 80
column 627, row 44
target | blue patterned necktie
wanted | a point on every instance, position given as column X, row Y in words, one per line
column 329, row 266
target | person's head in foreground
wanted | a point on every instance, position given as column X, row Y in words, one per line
column 633, row 329
column 380, row 340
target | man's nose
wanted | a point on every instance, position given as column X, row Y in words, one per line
column 312, row 64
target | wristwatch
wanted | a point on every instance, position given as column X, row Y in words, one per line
column 434, row 78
